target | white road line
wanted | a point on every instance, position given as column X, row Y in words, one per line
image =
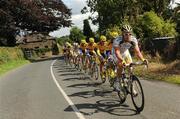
column 79, row 115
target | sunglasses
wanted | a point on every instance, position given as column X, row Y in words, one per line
column 128, row 34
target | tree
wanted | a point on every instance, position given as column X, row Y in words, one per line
column 115, row 12
column 87, row 29
column 76, row 34
column 150, row 25
column 62, row 40
column 176, row 17
column 32, row 15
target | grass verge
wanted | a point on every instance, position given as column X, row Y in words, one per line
column 10, row 58
column 11, row 65
column 159, row 71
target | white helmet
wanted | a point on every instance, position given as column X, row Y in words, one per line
column 126, row 28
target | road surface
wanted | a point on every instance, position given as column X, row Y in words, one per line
column 52, row 90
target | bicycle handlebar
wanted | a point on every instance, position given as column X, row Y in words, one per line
column 136, row 64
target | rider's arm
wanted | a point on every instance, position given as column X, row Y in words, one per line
column 138, row 53
column 98, row 52
column 118, row 54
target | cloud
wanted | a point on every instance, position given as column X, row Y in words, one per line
column 77, row 17
column 75, row 5
column 77, row 20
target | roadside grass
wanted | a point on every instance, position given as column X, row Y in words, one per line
column 159, row 71
column 11, row 65
column 10, row 58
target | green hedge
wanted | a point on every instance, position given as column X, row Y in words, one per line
column 7, row 54
column 11, row 58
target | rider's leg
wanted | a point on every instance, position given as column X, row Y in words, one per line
column 128, row 60
column 102, row 58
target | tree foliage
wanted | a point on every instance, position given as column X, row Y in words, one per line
column 176, row 17
column 76, row 34
column 150, row 25
column 114, row 12
column 32, row 15
column 87, row 31
column 62, row 40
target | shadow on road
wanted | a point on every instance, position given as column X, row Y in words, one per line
column 46, row 59
column 107, row 105
column 71, row 74
column 85, row 85
column 88, row 94
column 112, row 107
column 77, row 78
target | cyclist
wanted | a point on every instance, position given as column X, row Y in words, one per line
column 101, row 51
column 91, row 49
column 75, row 52
column 83, row 46
column 109, row 45
column 64, row 49
column 69, row 50
column 121, row 46
column 92, row 46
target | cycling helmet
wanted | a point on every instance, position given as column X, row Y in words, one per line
column 114, row 34
column 126, row 28
column 103, row 38
column 83, row 41
column 91, row 40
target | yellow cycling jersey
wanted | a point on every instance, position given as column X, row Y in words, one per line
column 91, row 47
column 109, row 46
column 83, row 46
column 102, row 47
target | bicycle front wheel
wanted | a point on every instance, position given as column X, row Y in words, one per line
column 123, row 92
column 137, row 94
column 95, row 71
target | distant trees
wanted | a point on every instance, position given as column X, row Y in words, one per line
column 115, row 12
column 149, row 25
column 87, row 31
column 31, row 15
column 76, row 34
column 62, row 40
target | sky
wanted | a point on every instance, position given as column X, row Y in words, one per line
column 77, row 18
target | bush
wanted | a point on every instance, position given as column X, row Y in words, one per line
column 113, row 29
column 76, row 34
column 150, row 25
column 62, row 40
column 8, row 54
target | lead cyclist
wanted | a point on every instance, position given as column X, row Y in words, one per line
column 120, row 51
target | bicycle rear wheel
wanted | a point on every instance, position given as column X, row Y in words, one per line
column 104, row 76
column 80, row 64
column 137, row 94
column 76, row 63
column 85, row 64
column 66, row 59
column 70, row 61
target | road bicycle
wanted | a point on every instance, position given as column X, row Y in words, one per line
column 129, row 83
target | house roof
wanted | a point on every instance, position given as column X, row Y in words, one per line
column 33, row 37
column 163, row 38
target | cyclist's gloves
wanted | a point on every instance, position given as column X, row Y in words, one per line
column 101, row 57
column 123, row 63
column 145, row 61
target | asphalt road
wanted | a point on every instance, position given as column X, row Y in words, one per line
column 51, row 90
